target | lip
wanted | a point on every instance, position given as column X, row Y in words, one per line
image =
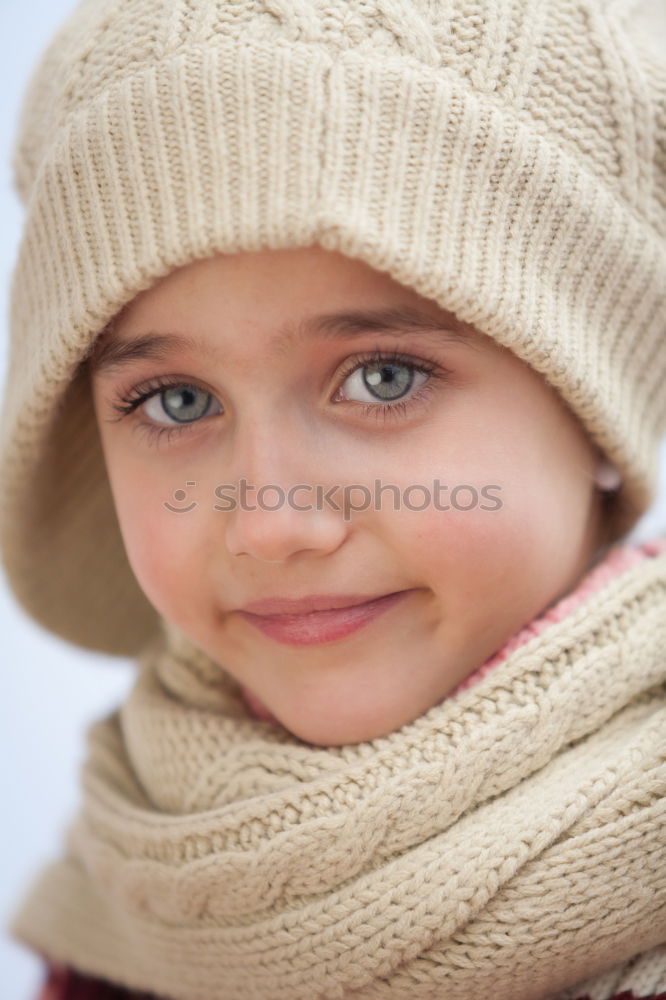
column 271, row 606
column 318, row 624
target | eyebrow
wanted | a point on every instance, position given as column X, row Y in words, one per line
column 108, row 354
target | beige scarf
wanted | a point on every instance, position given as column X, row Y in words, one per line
column 511, row 842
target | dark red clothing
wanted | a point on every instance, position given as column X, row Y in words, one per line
column 65, row 984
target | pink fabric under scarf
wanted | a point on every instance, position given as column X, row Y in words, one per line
column 619, row 558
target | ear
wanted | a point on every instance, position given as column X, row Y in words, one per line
column 607, row 476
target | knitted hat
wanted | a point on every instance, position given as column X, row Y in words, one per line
column 505, row 158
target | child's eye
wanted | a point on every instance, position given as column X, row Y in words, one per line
column 182, row 403
column 384, row 379
column 172, row 406
column 388, row 384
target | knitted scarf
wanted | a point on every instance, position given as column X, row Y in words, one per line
column 511, row 842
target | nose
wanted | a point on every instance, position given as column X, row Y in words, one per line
column 274, row 517
column 276, row 535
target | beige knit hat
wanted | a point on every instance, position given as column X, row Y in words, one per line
column 505, row 158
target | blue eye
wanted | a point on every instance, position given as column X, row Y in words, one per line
column 173, row 406
column 385, row 381
column 182, row 403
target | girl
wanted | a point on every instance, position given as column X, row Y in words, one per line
column 338, row 372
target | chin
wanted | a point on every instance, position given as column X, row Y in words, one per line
column 314, row 719
column 339, row 732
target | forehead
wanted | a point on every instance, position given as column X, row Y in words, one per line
column 276, row 285
column 278, row 301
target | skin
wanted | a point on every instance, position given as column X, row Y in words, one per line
column 293, row 415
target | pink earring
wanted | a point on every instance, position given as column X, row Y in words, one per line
column 607, row 477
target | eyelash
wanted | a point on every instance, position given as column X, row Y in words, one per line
column 124, row 405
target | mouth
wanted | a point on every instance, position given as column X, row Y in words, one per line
column 323, row 625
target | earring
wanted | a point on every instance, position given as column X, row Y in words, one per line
column 607, row 477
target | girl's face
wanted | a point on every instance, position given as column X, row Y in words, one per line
column 422, row 459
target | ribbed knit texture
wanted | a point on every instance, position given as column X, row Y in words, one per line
column 511, row 842
column 505, row 158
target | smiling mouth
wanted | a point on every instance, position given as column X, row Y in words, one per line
column 321, row 626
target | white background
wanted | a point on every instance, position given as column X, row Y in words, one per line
column 50, row 689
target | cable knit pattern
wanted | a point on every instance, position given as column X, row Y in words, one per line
column 504, row 158
column 510, row 842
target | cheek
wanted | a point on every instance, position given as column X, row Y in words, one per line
column 465, row 552
column 161, row 543
column 489, row 557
